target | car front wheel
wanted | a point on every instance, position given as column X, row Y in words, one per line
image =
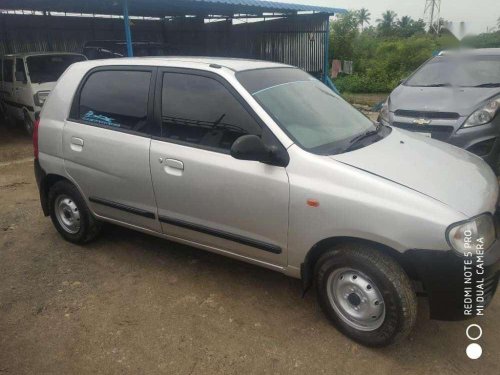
column 366, row 294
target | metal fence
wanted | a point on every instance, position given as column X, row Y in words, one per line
column 296, row 40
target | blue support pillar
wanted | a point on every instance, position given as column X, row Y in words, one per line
column 128, row 35
column 327, row 47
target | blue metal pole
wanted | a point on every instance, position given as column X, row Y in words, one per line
column 327, row 46
column 128, row 35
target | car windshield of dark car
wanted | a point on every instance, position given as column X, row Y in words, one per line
column 48, row 68
column 310, row 113
column 463, row 71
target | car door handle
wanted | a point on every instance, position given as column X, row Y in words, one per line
column 173, row 167
column 76, row 144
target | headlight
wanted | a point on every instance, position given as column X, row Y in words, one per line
column 40, row 97
column 467, row 236
column 384, row 111
column 484, row 114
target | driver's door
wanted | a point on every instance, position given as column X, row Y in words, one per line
column 203, row 194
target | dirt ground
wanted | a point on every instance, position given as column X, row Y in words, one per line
column 132, row 304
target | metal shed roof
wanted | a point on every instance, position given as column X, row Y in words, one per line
column 162, row 8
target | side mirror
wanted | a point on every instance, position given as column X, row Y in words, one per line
column 251, row 147
column 21, row 77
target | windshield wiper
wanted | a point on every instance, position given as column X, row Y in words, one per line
column 353, row 142
column 491, row 84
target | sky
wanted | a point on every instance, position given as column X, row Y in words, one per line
column 478, row 14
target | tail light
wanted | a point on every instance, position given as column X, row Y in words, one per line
column 35, row 137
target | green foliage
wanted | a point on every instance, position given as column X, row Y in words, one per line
column 343, row 32
column 380, row 63
column 486, row 40
column 390, row 51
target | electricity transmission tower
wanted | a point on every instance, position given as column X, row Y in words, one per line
column 431, row 12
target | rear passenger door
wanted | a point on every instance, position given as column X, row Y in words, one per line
column 106, row 143
column 203, row 193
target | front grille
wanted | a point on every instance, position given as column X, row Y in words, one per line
column 437, row 131
column 427, row 115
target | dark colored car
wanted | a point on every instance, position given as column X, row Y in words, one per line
column 454, row 97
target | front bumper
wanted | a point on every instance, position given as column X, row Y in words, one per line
column 452, row 294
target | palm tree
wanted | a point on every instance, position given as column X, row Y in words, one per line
column 405, row 21
column 364, row 16
column 387, row 22
column 388, row 19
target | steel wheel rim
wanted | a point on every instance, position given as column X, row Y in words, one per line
column 356, row 299
column 67, row 214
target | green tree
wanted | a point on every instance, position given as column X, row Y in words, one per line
column 407, row 26
column 386, row 23
column 344, row 30
column 364, row 16
column 405, row 22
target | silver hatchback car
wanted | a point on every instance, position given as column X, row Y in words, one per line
column 263, row 163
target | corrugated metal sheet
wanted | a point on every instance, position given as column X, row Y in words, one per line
column 267, row 6
column 162, row 8
column 295, row 40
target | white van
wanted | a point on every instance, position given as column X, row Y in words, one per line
column 26, row 80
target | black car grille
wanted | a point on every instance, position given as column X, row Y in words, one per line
column 437, row 131
column 427, row 115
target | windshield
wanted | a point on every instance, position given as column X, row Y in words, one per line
column 310, row 113
column 48, row 68
column 465, row 71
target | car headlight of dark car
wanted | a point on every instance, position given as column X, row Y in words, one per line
column 484, row 114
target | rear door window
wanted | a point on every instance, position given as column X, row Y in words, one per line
column 117, row 99
column 201, row 111
column 8, row 64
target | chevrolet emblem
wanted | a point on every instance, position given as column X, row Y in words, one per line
column 421, row 121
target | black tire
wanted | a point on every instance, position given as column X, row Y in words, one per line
column 89, row 227
column 28, row 124
column 390, row 280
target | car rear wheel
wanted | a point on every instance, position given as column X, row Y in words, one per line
column 70, row 214
column 366, row 294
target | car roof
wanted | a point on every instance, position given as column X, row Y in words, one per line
column 27, row 54
column 473, row 52
column 234, row 64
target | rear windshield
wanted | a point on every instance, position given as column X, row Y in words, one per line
column 48, row 68
column 458, row 70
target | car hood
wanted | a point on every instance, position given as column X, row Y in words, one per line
column 455, row 177
column 462, row 100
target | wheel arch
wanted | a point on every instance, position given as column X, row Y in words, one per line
column 46, row 184
column 312, row 256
